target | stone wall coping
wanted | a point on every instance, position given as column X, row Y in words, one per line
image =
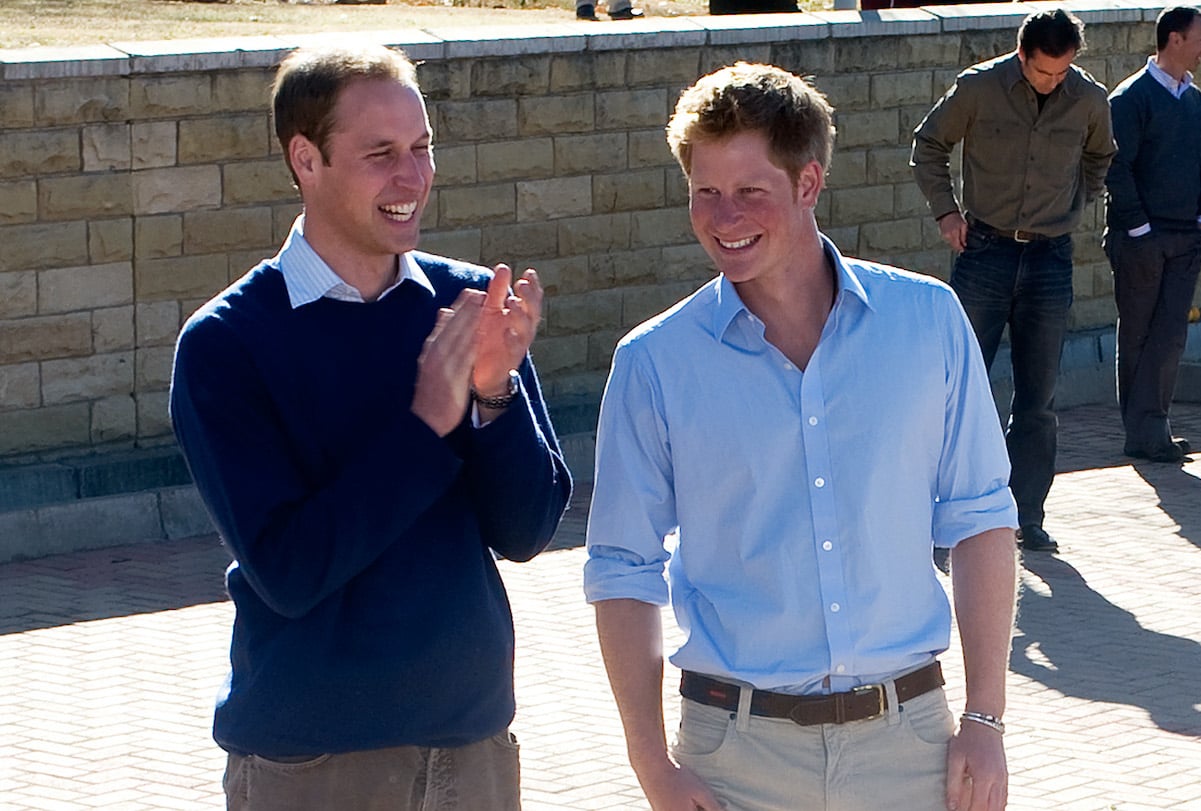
column 190, row 55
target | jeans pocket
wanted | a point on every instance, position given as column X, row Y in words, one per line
column 506, row 740
column 287, row 766
column 703, row 732
column 929, row 719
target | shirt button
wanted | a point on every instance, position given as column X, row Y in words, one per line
column 813, row 420
column 840, row 669
column 819, row 481
column 826, row 545
column 788, row 366
column 835, row 607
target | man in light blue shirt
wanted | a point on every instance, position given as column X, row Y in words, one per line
column 806, row 426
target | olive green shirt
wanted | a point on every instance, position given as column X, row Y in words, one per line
column 1023, row 169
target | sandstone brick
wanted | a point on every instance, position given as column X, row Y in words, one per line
column 600, row 232
column 553, row 115
column 627, row 109
column 889, row 165
column 239, row 263
column 904, row 87
column 583, row 312
column 29, row 247
column 477, row 205
column 41, row 338
column 718, row 56
column 569, row 275
column 159, row 236
column 227, row 229
column 74, row 101
column 114, row 418
column 649, row 148
column 18, row 202
column 18, row 294
column 666, row 226
column 846, row 237
column 157, row 323
column 865, row 204
column 153, row 144
column 16, row 101
column 181, row 277
column 520, row 244
column 865, row 55
column 600, row 347
column 241, row 90
column 105, row 147
column 266, row 181
column 110, row 241
column 112, row 329
column 465, row 121
column 39, row 152
column 640, row 303
column 20, row 386
column 81, row 197
column 623, row 268
column 539, row 200
column 462, row 243
column 909, row 202
column 663, row 65
column 875, row 128
column 572, row 71
column 890, row 237
column 63, row 290
column 583, row 154
column 153, row 367
column 524, row 159
column 210, row 140
column 153, row 418
column 170, row 96
column 283, row 216
column 555, row 355
column 522, row 75
column 976, row 46
column 610, row 68
column 932, row 50
column 75, row 379
column 848, row 169
column 40, row 429
column 806, row 57
column 457, row 165
column 158, row 191
column 675, row 187
column 628, row 191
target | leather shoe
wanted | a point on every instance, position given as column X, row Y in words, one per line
column 942, row 559
column 1034, row 538
column 627, row 14
column 1174, row 451
column 586, row 12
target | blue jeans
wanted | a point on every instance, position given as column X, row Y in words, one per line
column 1027, row 286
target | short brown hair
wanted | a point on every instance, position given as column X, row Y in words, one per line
column 308, row 83
column 794, row 115
column 1053, row 33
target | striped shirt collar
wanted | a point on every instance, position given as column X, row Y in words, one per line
column 308, row 277
column 1166, row 79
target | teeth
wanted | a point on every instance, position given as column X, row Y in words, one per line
column 742, row 243
column 403, row 212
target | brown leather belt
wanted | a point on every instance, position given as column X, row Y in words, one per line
column 860, row 704
column 1016, row 236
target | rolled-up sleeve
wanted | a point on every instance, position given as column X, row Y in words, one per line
column 633, row 501
column 973, row 493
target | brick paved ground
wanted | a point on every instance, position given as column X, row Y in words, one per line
column 109, row 660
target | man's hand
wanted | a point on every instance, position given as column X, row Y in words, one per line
column 977, row 778
column 670, row 787
column 953, row 228
column 506, row 329
column 443, row 387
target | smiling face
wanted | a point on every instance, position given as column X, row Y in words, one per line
column 749, row 216
column 365, row 195
column 1045, row 73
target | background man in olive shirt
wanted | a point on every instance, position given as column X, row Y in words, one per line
column 1037, row 142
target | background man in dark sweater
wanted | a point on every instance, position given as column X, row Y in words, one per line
column 365, row 427
column 1153, row 233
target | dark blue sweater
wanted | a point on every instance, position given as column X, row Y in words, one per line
column 1156, row 175
column 370, row 612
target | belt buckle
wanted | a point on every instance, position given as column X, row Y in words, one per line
column 881, row 700
column 1017, row 237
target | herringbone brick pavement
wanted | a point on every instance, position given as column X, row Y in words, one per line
column 109, row 660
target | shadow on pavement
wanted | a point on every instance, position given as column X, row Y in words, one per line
column 1179, row 491
column 1075, row 641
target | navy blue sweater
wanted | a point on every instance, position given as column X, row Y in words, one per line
column 1156, row 175
column 370, row 612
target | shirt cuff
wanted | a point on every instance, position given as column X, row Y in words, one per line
column 1142, row 230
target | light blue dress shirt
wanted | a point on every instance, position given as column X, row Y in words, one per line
column 806, row 504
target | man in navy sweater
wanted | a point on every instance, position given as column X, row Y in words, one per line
column 1153, row 233
column 366, row 430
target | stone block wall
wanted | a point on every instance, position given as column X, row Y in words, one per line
column 138, row 179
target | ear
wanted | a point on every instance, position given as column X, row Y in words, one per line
column 810, row 182
column 305, row 158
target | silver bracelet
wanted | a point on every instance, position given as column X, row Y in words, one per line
column 990, row 721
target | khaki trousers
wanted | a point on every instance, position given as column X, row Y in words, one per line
column 482, row 776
